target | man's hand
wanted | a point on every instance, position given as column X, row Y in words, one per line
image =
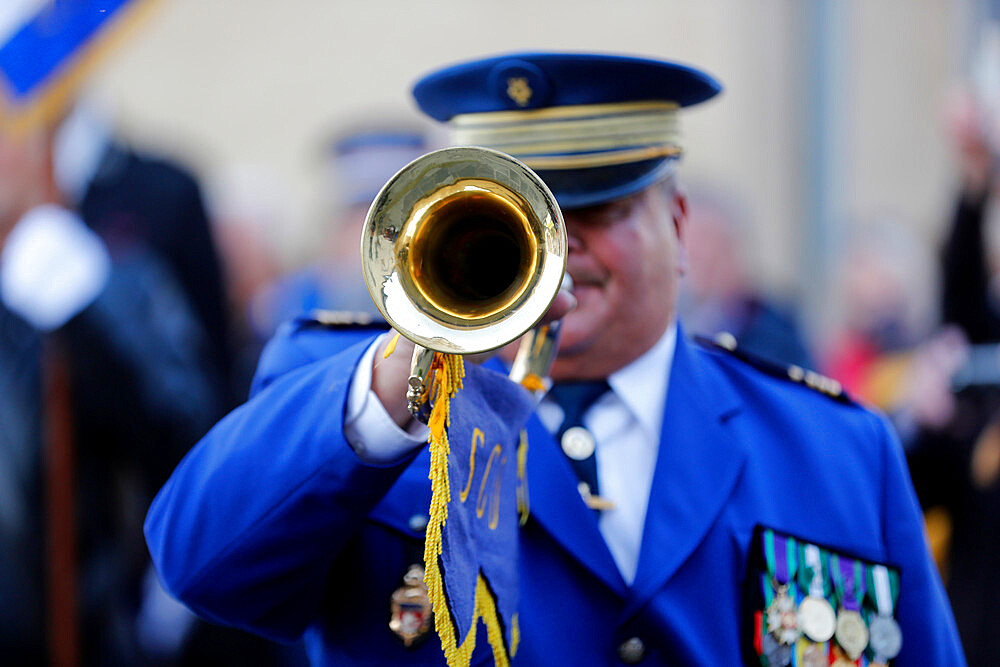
column 389, row 376
column 928, row 382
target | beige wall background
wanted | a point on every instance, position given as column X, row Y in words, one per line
column 223, row 83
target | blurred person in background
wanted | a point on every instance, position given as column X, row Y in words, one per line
column 971, row 261
column 249, row 214
column 114, row 352
column 720, row 294
column 357, row 163
column 942, row 393
column 889, row 350
column 144, row 382
column 131, row 197
column 956, row 468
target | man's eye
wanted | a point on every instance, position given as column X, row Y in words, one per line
column 613, row 212
column 604, row 214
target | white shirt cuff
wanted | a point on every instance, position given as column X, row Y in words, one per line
column 52, row 267
column 369, row 429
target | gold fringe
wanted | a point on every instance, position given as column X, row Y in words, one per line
column 523, row 504
column 391, row 347
column 486, row 608
column 447, row 372
column 515, row 634
column 445, row 386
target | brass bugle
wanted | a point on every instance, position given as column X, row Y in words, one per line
column 463, row 250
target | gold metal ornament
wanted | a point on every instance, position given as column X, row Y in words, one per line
column 410, row 617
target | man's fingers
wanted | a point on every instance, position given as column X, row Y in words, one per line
column 389, row 377
column 561, row 306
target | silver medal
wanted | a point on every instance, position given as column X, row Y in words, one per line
column 886, row 637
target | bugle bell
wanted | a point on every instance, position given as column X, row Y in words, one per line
column 463, row 250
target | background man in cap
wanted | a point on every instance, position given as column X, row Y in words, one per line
column 300, row 512
column 357, row 163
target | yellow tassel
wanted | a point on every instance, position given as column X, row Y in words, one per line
column 515, row 634
column 486, row 608
column 447, row 372
column 445, row 384
column 523, row 502
column 391, row 347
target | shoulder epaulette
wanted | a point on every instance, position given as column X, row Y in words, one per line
column 726, row 342
column 340, row 319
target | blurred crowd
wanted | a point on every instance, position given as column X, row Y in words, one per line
column 916, row 333
column 132, row 314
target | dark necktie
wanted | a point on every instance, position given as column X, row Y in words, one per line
column 577, row 443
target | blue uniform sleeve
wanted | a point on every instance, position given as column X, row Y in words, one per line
column 247, row 529
column 930, row 636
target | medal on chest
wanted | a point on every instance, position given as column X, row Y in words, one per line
column 886, row 637
column 817, row 619
column 410, row 617
column 778, row 654
column 782, row 561
column 782, row 621
column 811, row 654
column 851, row 632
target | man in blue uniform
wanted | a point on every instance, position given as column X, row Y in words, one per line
column 301, row 512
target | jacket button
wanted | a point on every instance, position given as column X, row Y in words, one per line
column 631, row 651
column 418, row 523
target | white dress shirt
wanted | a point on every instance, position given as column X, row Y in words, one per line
column 626, row 423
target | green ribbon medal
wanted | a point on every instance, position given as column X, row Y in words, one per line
column 817, row 617
column 781, row 556
column 886, row 636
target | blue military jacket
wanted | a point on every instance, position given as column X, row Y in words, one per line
column 273, row 524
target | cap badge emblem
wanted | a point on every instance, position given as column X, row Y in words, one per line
column 519, row 90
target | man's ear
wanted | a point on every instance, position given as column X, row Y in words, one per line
column 679, row 212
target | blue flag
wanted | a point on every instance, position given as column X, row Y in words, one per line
column 46, row 48
column 471, row 552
